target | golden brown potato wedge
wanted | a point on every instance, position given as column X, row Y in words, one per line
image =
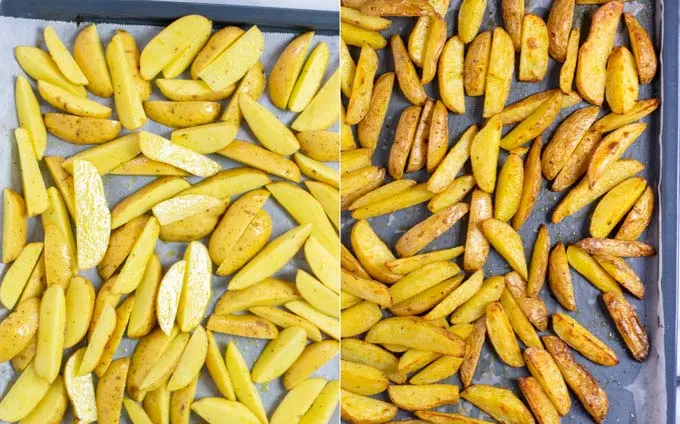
column 501, row 404
column 354, row 159
column 368, row 130
column 623, row 273
column 610, row 150
column 357, row 350
column 453, row 194
column 533, row 60
column 559, row 278
column 470, row 17
column 534, row 124
column 397, row 8
column 362, row 409
column 433, row 48
column 436, row 417
column 457, row 297
column 381, row 193
column 484, row 151
column 370, row 290
column 362, row 379
column 403, row 139
column 453, row 162
column 519, row 321
column 372, row 252
column 348, row 14
column 559, row 28
column 643, row 49
column 418, row 334
column 582, row 340
column 615, row 205
column 476, row 245
column 405, row 199
column 580, row 381
column 538, row 401
column 544, row 369
column 628, row 325
column 638, row 218
column 507, row 243
column 426, row 299
column 408, row 79
column 509, row 189
column 532, row 306
column 404, row 266
column 438, row 139
column 475, row 307
column 421, row 397
column 476, row 64
column 474, row 344
column 362, row 87
column 418, row 157
column 613, row 121
column 614, row 247
column 621, row 85
column 501, row 335
column 355, row 35
column 359, row 319
column 500, row 72
column 358, row 183
column 577, row 164
column 422, row 279
column 347, row 68
column 569, row 66
column 588, row 267
column 513, row 17
column 593, row 54
column 520, row 110
column 429, row 229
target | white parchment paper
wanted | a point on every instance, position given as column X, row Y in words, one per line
column 16, row 32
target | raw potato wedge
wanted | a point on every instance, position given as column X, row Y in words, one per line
column 122, row 319
column 593, row 53
column 146, row 355
column 324, row 405
column 643, row 49
column 362, row 379
column 59, row 258
column 230, row 182
column 157, row 405
column 285, row 319
column 196, row 289
column 509, row 190
column 245, row 389
column 559, row 28
column 323, row 146
column 501, row 335
column 287, row 69
column 534, row 124
column 24, row 395
column 145, row 198
column 215, row 46
column 470, row 17
column 18, row 328
column 565, row 139
column 297, row 401
column 183, row 206
column 25, row 357
column 583, row 194
column 40, row 66
column 81, row 130
column 131, row 53
column 316, row 294
column 253, row 240
column 354, row 35
column 310, row 78
column 507, row 242
column 271, row 132
column 359, row 318
column 628, row 324
column 103, row 330
column 533, row 60
column 475, row 307
column 476, row 64
column 180, row 403
column 368, row 130
column 71, row 103
column 62, row 57
column 242, row 325
column 501, row 404
column 191, row 90
column 163, row 150
column 585, row 265
column 323, row 110
column 312, row 358
column 108, row 156
column 167, row 299
column 421, row 397
column 253, row 85
column 426, row 231
column 484, row 150
column 417, row 334
column 559, row 278
column 126, row 87
column 372, row 252
column 582, row 340
column 142, row 165
column 538, row 400
column 580, row 381
column 615, row 205
column 217, row 368
column 13, row 225
column 269, row 292
column 621, row 86
column 569, row 67
column 638, row 218
column 205, row 139
column 499, row 74
column 195, row 227
column 50, row 345
column 610, row 150
column 89, row 55
column 28, row 115
column 182, row 114
column 409, row 83
column 262, row 159
column 316, row 170
column 544, row 369
column 191, row 361
column 215, row 409
column 79, row 300
column 325, row 323
column 35, row 194
column 52, row 406
column 362, row 87
column 362, row 409
column 132, row 272
column 80, row 389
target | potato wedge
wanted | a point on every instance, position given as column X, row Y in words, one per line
column 355, row 17
column 638, row 218
column 271, row 132
column 559, row 28
column 615, row 205
column 169, row 292
column 122, row 319
column 317, row 170
column 446, row 418
column 89, row 57
column 136, row 412
column 24, row 395
column 501, row 335
column 501, row 404
column 347, row 68
column 252, row 84
column 285, row 319
column 539, row 261
column 534, row 124
column 362, row 87
column 544, row 369
column 582, row 340
column 262, row 159
column 108, row 156
column 18, row 328
column 613, row 247
column 623, row 273
column 476, row 245
column 628, row 324
column 507, row 243
column 324, row 405
column 565, row 140
column 310, row 78
column 71, row 103
column 79, row 302
column 157, row 405
column 484, row 150
column 372, row 252
column 142, row 165
column 52, row 406
column 422, row 279
column 180, row 403
column 533, row 61
column 355, row 35
column 323, row 110
column 433, row 48
column 426, row 231
column 519, row 321
column 62, row 57
column 475, row 307
column 417, row 334
column 132, row 272
column 476, row 64
column 50, row 345
column 245, row 389
column 32, row 183
column 24, row 358
column 621, row 86
column 362, row 379
column 323, row 146
column 359, row 318
column 520, row 110
column 470, row 17
column 312, row 358
column 127, row 84
column 198, row 226
column 610, row 150
column 643, row 49
column 13, row 224
column 355, row 159
column 426, row 299
column 269, row 292
column 453, row 162
column 438, row 138
column 409, row 83
column 509, row 190
column 298, row 400
column 182, row 114
column 585, row 265
column 242, row 325
column 196, row 289
column 569, row 67
column 36, row 284
column 499, row 74
column 580, row 381
column 359, row 351
column 254, row 238
column 358, row 183
column 215, row 46
column 613, row 121
column 28, row 115
column 559, row 278
column 421, row 397
column 457, row 297
column 577, row 164
column 163, row 150
column 59, row 260
column 205, row 139
column 217, row 368
column 145, row 198
column 316, row 294
column 368, row 130
column 191, row 361
column 287, row 69
column 538, row 400
column 418, row 38
column 147, row 352
column 418, row 156
column 40, row 66
column 362, row 409
column 103, row 330
column 404, row 266
column 474, row 343
column 593, row 53
column 370, row 290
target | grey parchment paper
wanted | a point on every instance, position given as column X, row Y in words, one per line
column 16, row 32
column 637, row 392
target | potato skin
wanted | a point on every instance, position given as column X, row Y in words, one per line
column 638, row 218
column 513, row 16
column 559, row 26
column 80, row 129
column 369, row 128
column 628, row 324
column 569, row 66
column 476, row 64
column 559, row 278
column 403, row 139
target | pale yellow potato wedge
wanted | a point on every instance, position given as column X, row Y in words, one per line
column 470, row 17
column 362, row 379
column 50, row 345
column 347, row 69
column 323, row 146
column 35, row 194
column 615, row 205
column 533, row 60
column 79, row 300
column 120, row 244
column 322, row 263
column 183, row 206
column 451, row 75
column 422, row 397
column 80, row 389
column 59, row 258
column 418, row 334
column 71, row 103
column 484, row 150
column 196, row 290
column 313, row 357
column 534, row 124
column 328, row 325
column 585, row 265
column 145, row 198
column 372, row 252
column 500, row 403
column 62, row 57
column 417, row 39
column 538, row 400
column 131, row 53
column 475, row 307
column 229, row 182
column 368, row 130
column 24, row 395
column 158, row 148
column 57, row 215
column 355, row 35
column 519, row 321
column 271, row 132
column 136, row 412
column 403, row 140
column 24, row 358
column 40, row 66
column 507, row 242
column 18, row 273
column 253, row 85
column 643, row 49
column 323, row 110
column 191, row 90
column 457, row 297
column 205, row 139
column 182, row 114
column 408, row 79
column 422, row 279
column 359, row 318
column 433, row 48
column 194, row 227
column 52, row 406
column 37, row 283
column 610, row 149
column 262, row 159
column 559, row 28
column 582, row 340
column 309, row 81
column 146, row 356
column 544, row 369
column 580, row 381
column 93, row 218
column 565, row 140
column 191, row 361
column 157, row 405
column 621, row 85
column 593, row 53
column 628, row 324
column 559, row 278
column 217, row 368
column 13, row 224
column 296, row 402
column 105, row 296
column 316, row 294
column 423, row 233
column 362, row 409
column 215, row 46
column 499, row 74
column 286, row 319
column 520, row 110
column 370, row 290
column 108, row 156
column 268, row 292
column 501, row 335
column 234, row 223
column 253, row 240
column 122, row 319
column 532, row 306
column 126, row 81
column 509, row 190
column 89, row 56
column 316, row 170
column 569, row 67
column 355, row 17
column 583, row 194
column 144, row 166
column 638, row 218
column 132, row 272
column 245, row 389
column 159, row 374
column 181, row 61
column 221, row 73
column 279, row 355
column 476, row 64
column 214, row 410
column 28, row 115
column 180, row 403
column 168, row 297
column 103, row 330
column 538, row 266
column 18, row 328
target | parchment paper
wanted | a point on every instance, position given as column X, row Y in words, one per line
column 637, row 392
column 16, row 32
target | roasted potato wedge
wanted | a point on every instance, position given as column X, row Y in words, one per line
column 538, row 400
column 421, row 397
column 543, row 368
column 628, row 324
column 368, row 130
column 585, row 265
column 501, row 335
column 363, row 409
column 621, row 86
column 501, row 404
column 470, row 17
column 579, row 338
column 569, row 66
column 484, row 151
column 355, row 35
column 533, row 61
column 438, row 139
column 408, row 79
column 429, row 229
column 475, row 307
column 534, row 124
column 559, row 278
column 615, row 205
column 507, row 242
column 643, row 49
column 417, row 334
column 418, row 157
column 559, row 28
column 509, row 189
column 500, row 72
column 403, row 139
column 638, row 218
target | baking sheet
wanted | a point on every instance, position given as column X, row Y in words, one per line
column 637, row 392
column 15, row 32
